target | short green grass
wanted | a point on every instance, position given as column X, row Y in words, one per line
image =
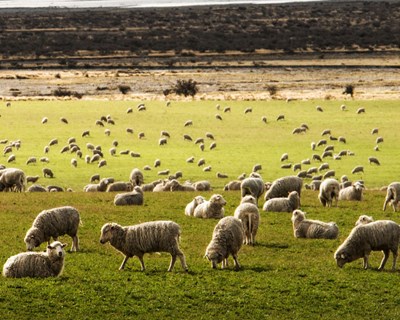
column 281, row 277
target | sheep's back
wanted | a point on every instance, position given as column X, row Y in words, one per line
column 281, row 187
column 58, row 221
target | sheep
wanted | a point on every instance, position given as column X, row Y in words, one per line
column 360, row 110
column 316, row 157
column 32, row 179
column 188, row 123
column 286, row 166
column 94, row 178
column 284, row 157
column 135, row 154
column 187, row 137
column 31, row 160
column 199, row 140
column 314, row 185
column 329, row 191
column 280, row 117
column 74, row 162
column 157, row 163
column 99, row 123
column 321, row 142
column 102, row 163
column 44, row 159
column 221, row 175
column 129, row 130
column 233, row 185
column 150, row 186
column 297, row 166
column 218, row 117
column 325, row 132
column 36, row 188
column 248, row 110
column 252, row 186
column 364, row 219
column 176, row 186
column 213, row 145
column 314, row 229
column 248, row 213
column 148, row 237
column 62, row 119
column 288, row 204
column 12, row 179
column 392, row 195
column 357, row 169
column 53, row 188
column 44, row 120
column 298, row 130
column 257, row 167
column 374, row 236
column 281, row 187
column 53, row 223
column 375, row 131
column 352, row 193
column 163, row 172
column 227, row 239
column 100, row 187
column 119, row 186
column 209, row 135
column 264, row 119
column 226, row 109
column 319, row 108
column 202, row 185
column 37, row 264
column 165, row 134
column 136, row 177
column 189, row 209
column 162, row 141
column 85, row 133
column 372, row 160
column 213, row 208
column 379, row 140
column 201, row 162
column 11, row 158
column 134, row 197
column 329, row 174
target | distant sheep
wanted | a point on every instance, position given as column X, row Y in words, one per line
column 374, row 236
column 252, row 186
column 374, row 160
column 188, row 123
column 12, row 179
column 357, row 169
column 248, row 213
column 202, row 185
column 47, row 173
column 329, row 191
column 36, row 264
column 120, row 186
column 288, row 204
column 136, row 177
column 148, row 237
column 53, row 223
column 352, row 193
column 233, row 185
column 211, row 209
column 281, row 187
column 227, row 239
column 99, row 187
column 162, row 141
column 189, row 209
column 392, row 196
column 176, row 186
column 134, row 197
column 315, row 229
column 284, row 157
column 221, row 175
column 32, row 179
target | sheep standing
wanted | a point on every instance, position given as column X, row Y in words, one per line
column 12, row 179
column 374, row 236
column 136, row 177
column 329, row 191
column 252, row 186
column 213, row 208
column 36, row 264
column 134, row 197
column 189, row 209
column 248, row 213
column 392, row 195
column 281, row 187
column 53, row 223
column 352, row 193
column 227, row 239
column 148, row 237
column 304, row 228
column 292, row 202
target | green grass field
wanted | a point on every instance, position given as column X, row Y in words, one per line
column 281, row 277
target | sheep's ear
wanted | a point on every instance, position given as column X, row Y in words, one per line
column 64, row 245
column 49, row 247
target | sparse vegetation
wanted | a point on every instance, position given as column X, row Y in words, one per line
column 349, row 89
column 183, row 87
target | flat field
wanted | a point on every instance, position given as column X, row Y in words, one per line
column 281, row 277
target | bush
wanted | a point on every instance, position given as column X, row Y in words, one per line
column 349, row 89
column 272, row 89
column 124, row 88
column 183, row 87
column 62, row 92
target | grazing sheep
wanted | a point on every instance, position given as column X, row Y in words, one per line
column 12, row 179
column 248, row 213
column 99, row 123
column 299, row 130
column 102, row 163
column 44, row 120
column 213, row 145
column 316, row 157
column 286, row 166
column 233, row 185
column 150, row 186
column 165, row 134
column 218, row 117
column 36, row 188
column 288, row 204
column 357, row 169
column 148, row 237
column 199, row 140
column 85, row 133
column 74, row 162
column 257, row 167
column 364, row 219
column 176, row 186
column 281, row 187
column 392, row 195
column 284, row 157
column 129, row 130
column 209, row 135
column 381, row 235
column 134, row 197
column 329, row 174
column 201, row 162
column 163, row 172
column 303, row 174
column 187, row 137
column 372, row 160
column 313, row 145
column 31, row 160
column 53, row 223
column 297, row 166
column 188, row 123
column 252, row 186
column 11, row 158
column 119, row 186
column 329, row 191
column 94, row 178
column 162, row 141
column 360, row 110
column 227, row 239
column 189, row 209
column 343, row 107
column 221, row 175
column 53, row 188
column 264, row 119
column 248, row 110
column 211, row 209
column 375, row 131
column 202, row 185
column 32, row 179
column 36, row 264
column 44, row 159
column 319, row 108
column 314, row 229
column 352, row 193
column 280, row 117
column 136, row 177
column 325, row 132
column 107, row 132
column 379, row 140
column 314, row 185
column 201, row 146
column 62, row 119
column 226, row 109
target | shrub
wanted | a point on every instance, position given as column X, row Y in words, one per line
column 183, row 87
column 62, row 92
column 272, row 89
column 349, row 89
column 124, row 88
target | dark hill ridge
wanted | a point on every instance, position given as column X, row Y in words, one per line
column 71, row 37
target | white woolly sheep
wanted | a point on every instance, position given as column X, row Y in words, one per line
column 120, row 186
column 36, row 264
column 36, row 188
column 288, row 204
column 381, row 235
column 53, row 223
column 248, row 213
column 32, row 179
column 189, row 209
column 364, row 219
column 134, row 197
column 329, row 191
column 150, row 186
column 352, row 193
column 12, row 179
column 233, row 185
column 136, row 177
column 148, row 237
column 252, row 186
column 281, row 187
column 315, row 229
column 227, row 239
column 98, row 187
column 202, row 185
column 392, row 195
column 211, row 209
column 209, row 135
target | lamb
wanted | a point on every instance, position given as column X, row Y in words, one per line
column 252, row 186
column 392, row 195
column 315, row 229
column 227, row 239
column 248, row 213
column 374, row 236
column 364, row 219
column 352, row 193
column 211, row 209
column 12, row 179
column 329, row 191
column 136, row 177
column 120, row 186
column 47, row 173
column 36, row 264
column 288, row 204
column 134, row 197
column 283, row 186
column 148, row 237
column 53, row 223
column 189, row 209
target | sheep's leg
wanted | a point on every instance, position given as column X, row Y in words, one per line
column 224, row 263
column 183, row 261
column 123, row 263
column 141, row 262
column 385, row 258
column 366, row 265
column 171, row 265
column 235, row 258
column 75, row 243
column 394, row 251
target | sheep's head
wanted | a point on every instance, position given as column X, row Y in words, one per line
column 298, row 216
column 198, row 199
column 218, row 199
column 215, row 257
column 249, row 199
column 33, row 238
column 56, row 249
column 107, row 232
column 364, row 219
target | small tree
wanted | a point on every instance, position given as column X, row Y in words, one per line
column 349, row 89
column 186, row 87
column 272, row 89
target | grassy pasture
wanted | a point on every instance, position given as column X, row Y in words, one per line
column 281, row 277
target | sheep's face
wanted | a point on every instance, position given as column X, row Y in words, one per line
column 249, row 199
column 298, row 216
column 218, row 199
column 215, row 258
column 199, row 199
column 56, row 249
column 106, row 233
column 364, row 219
column 342, row 258
column 33, row 239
